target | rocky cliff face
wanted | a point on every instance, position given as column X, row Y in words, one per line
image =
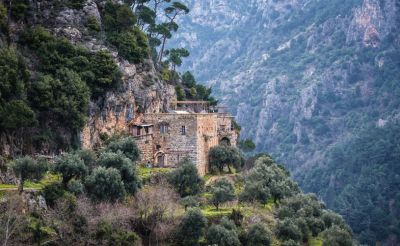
column 141, row 91
column 307, row 61
column 300, row 76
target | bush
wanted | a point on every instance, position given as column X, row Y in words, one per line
column 287, row 230
column 28, row 168
column 224, row 156
column 98, row 70
column 88, row 157
column 75, row 4
column 126, row 168
column 76, row 187
column 191, row 228
column 70, row 166
column 93, row 25
column 222, row 191
column 52, row 193
column 118, row 17
column 336, row 236
column 105, row 185
column 17, row 114
column 107, row 235
column 221, row 236
column 267, row 180
column 258, row 235
column 119, row 24
column 185, row 179
column 127, row 146
column 20, row 9
column 132, row 45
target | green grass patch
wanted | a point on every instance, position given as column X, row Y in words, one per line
column 316, row 241
column 147, row 172
column 212, row 212
column 7, row 186
column 47, row 179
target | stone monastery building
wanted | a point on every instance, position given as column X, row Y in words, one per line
column 189, row 130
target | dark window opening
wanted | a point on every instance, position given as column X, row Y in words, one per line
column 183, row 130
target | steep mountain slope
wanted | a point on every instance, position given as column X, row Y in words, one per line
column 302, row 77
column 73, row 33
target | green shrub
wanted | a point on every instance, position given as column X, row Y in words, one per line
column 75, row 4
column 191, row 228
column 98, row 70
column 221, row 236
column 20, row 9
column 14, row 75
column 337, row 236
column 124, row 165
column 106, row 234
column 119, row 23
column 126, row 145
column 222, row 191
column 132, row 45
column 185, row 179
column 118, row 17
column 105, row 185
column 52, row 193
column 70, row 166
column 258, row 235
column 93, row 25
column 16, row 114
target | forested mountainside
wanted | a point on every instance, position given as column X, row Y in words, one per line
column 315, row 83
column 72, row 72
column 73, row 75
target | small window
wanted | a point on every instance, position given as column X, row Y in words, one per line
column 164, row 128
column 138, row 131
column 183, row 130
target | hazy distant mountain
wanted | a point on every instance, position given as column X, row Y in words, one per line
column 304, row 78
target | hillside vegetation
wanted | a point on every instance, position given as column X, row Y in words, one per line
column 304, row 79
column 105, row 198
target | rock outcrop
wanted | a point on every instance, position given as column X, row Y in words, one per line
column 141, row 91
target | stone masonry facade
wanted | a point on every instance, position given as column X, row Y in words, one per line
column 166, row 138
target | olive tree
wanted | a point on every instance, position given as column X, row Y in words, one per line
column 105, row 185
column 185, row 179
column 222, row 191
column 27, row 168
column 124, row 165
column 70, row 166
column 126, row 145
column 221, row 236
column 191, row 228
column 336, row 236
column 268, row 180
column 258, row 235
column 222, row 156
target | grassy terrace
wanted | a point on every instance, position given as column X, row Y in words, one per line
column 47, row 179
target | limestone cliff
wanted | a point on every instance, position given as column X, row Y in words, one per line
column 141, row 90
column 301, row 77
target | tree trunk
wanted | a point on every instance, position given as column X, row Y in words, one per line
column 162, row 49
column 21, row 184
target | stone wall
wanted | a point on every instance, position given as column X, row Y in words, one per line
column 146, row 146
column 202, row 132
column 172, row 144
column 207, row 138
